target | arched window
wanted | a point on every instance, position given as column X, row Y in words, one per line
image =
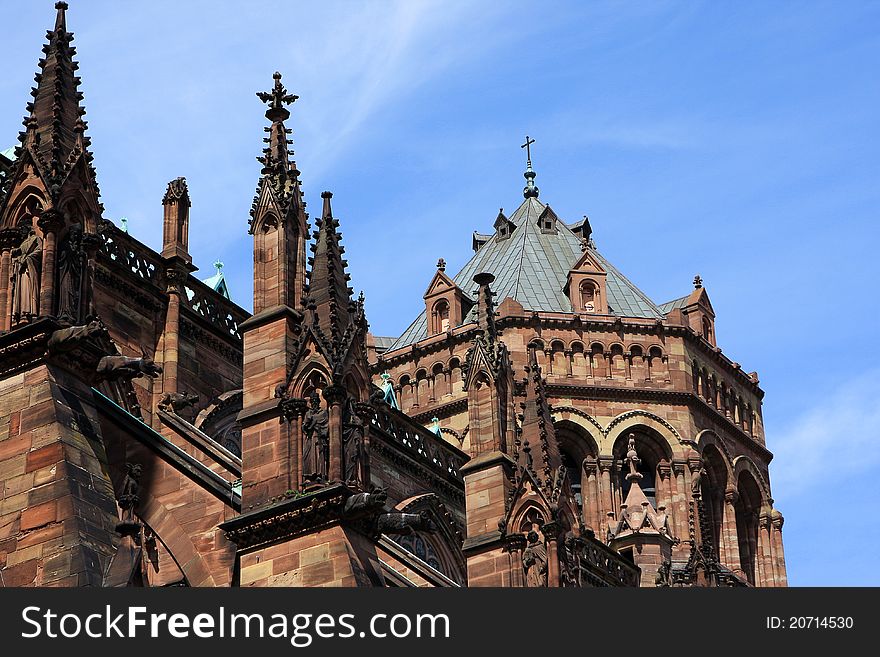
column 747, row 508
column 712, row 490
column 652, row 453
column 574, row 473
column 440, row 316
column 589, row 297
column 707, row 329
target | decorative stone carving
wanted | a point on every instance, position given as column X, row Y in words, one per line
column 71, row 265
column 316, row 441
column 361, row 504
column 174, row 402
column 398, row 522
column 67, row 339
column 115, row 368
column 535, row 561
column 129, row 499
column 27, row 261
column 352, row 444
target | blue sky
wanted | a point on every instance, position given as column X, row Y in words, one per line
column 737, row 140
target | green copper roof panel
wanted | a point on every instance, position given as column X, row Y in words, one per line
column 532, row 268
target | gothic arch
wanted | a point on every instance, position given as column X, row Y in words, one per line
column 708, row 437
column 585, row 420
column 446, row 541
column 179, row 545
column 742, row 464
column 23, row 202
column 637, row 417
column 306, row 382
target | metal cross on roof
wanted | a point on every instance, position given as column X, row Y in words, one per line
column 528, row 147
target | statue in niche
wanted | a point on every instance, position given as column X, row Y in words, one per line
column 129, row 499
column 71, row 263
column 352, row 444
column 535, row 561
column 316, row 443
column 27, row 261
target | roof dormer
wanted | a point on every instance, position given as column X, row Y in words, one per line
column 547, row 221
column 585, row 287
column 445, row 303
column 504, row 227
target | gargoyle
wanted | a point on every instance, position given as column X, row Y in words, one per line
column 361, row 504
column 67, row 339
column 114, row 368
column 398, row 522
column 174, row 402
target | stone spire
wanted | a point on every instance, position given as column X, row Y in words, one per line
column 279, row 170
column 329, row 295
column 537, row 429
column 54, row 132
column 485, row 305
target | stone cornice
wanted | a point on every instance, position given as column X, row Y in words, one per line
column 288, row 518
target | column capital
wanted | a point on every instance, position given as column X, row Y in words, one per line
column 335, row 394
column 293, row 408
column 50, row 221
column 10, row 238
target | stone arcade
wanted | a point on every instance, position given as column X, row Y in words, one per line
column 541, row 423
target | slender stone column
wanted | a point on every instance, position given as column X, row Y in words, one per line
column 9, row 239
column 776, row 520
column 666, row 485
column 50, row 222
column 548, row 354
column 569, row 355
column 590, row 495
column 335, row 395
column 293, row 411
column 731, row 539
column 606, row 463
column 174, row 279
column 551, row 531
column 609, row 366
column 516, row 543
column 680, row 499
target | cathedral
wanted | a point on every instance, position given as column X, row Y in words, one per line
column 541, row 423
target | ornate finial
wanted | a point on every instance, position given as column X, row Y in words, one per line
column 441, row 265
column 124, row 222
column 632, row 458
column 584, row 244
column 218, row 265
column 59, row 19
column 277, row 99
column 698, row 282
column 530, row 190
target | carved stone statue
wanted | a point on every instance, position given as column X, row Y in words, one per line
column 316, row 440
column 535, row 561
column 664, row 574
column 114, row 368
column 174, row 402
column 352, row 444
column 71, row 263
column 26, row 267
column 697, row 482
column 129, row 499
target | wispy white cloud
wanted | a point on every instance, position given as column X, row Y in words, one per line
column 834, row 440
